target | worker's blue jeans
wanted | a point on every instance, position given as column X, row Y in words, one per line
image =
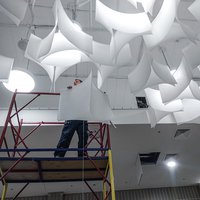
column 70, row 126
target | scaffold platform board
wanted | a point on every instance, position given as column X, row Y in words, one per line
column 54, row 169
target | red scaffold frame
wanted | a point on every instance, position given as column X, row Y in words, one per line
column 17, row 155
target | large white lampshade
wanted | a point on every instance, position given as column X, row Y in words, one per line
column 20, row 80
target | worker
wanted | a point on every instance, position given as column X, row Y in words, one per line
column 70, row 126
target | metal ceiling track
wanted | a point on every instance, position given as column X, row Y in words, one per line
column 19, row 163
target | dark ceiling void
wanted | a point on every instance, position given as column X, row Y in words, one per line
column 180, row 132
column 149, row 158
column 141, row 102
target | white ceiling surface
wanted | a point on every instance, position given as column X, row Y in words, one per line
column 127, row 140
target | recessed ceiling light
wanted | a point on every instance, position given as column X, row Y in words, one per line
column 20, row 81
column 171, row 163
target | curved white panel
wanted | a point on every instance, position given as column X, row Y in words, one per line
column 183, row 76
column 163, row 72
column 6, row 65
column 160, row 115
column 15, row 10
column 53, row 72
column 147, row 4
column 190, row 34
column 103, row 73
column 62, row 61
column 151, row 117
column 45, row 44
column 63, row 58
column 60, row 43
column 118, row 40
column 78, row 38
column 176, row 32
column 155, row 101
column 101, row 54
column 71, row 104
column 33, row 46
column 100, row 106
column 191, row 53
column 194, row 87
column 155, row 116
column 186, row 94
column 153, row 80
column 191, row 111
column 38, row 47
column 139, row 76
column 95, row 106
column 134, row 2
column 50, row 71
column 162, row 23
column 194, row 9
column 127, row 23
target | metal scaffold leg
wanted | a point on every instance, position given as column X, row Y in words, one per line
column 111, row 174
column 5, row 186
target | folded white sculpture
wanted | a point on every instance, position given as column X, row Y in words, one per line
column 66, row 46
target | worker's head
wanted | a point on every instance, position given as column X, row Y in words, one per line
column 77, row 81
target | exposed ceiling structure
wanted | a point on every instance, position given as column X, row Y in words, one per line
column 156, row 58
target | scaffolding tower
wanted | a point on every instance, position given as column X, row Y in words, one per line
column 17, row 165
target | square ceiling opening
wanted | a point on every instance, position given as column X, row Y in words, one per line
column 149, row 158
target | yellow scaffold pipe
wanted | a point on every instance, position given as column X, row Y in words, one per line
column 5, row 186
column 111, row 175
column 104, row 182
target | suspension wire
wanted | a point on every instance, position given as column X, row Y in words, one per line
column 165, row 58
column 29, row 31
column 45, row 189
